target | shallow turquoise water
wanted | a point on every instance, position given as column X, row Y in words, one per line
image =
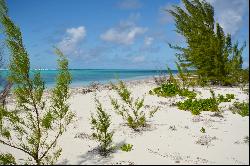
column 82, row 77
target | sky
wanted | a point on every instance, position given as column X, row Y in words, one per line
column 113, row 34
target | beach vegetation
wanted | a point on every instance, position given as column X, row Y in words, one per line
column 228, row 98
column 126, row 147
column 171, row 90
column 7, row 159
column 198, row 105
column 101, row 125
column 241, row 108
column 209, row 51
column 176, row 85
column 36, row 123
column 129, row 108
column 203, row 130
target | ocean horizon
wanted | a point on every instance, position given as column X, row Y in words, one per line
column 84, row 77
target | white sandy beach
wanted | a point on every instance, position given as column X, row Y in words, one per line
column 172, row 137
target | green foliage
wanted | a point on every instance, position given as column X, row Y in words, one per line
column 240, row 108
column 131, row 110
column 36, row 123
column 203, row 130
column 173, row 86
column 100, row 125
column 166, row 90
column 187, row 93
column 170, row 90
column 198, row 105
column 185, row 76
column 208, row 50
column 126, row 147
column 228, row 98
column 7, row 159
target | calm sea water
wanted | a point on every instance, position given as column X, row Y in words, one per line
column 83, row 77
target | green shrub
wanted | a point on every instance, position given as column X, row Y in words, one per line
column 240, row 108
column 35, row 123
column 166, row 90
column 131, row 110
column 7, row 159
column 126, row 147
column 187, row 93
column 170, row 90
column 100, row 124
column 228, row 98
column 198, row 105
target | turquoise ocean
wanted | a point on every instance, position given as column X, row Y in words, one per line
column 83, row 77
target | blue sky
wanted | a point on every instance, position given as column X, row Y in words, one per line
column 117, row 34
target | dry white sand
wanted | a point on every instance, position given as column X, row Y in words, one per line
column 172, row 137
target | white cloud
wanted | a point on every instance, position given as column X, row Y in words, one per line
column 129, row 4
column 230, row 14
column 73, row 37
column 125, row 33
column 148, row 41
column 138, row 59
column 165, row 16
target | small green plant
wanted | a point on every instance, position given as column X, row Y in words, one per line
column 240, row 108
column 100, row 125
column 7, row 159
column 203, row 130
column 151, row 113
column 131, row 110
column 126, row 147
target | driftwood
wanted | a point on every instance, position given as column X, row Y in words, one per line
column 5, row 92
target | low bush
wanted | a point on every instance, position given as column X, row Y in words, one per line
column 170, row 90
column 100, row 125
column 228, row 98
column 7, row 159
column 240, row 108
column 198, row 105
column 131, row 110
column 166, row 90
